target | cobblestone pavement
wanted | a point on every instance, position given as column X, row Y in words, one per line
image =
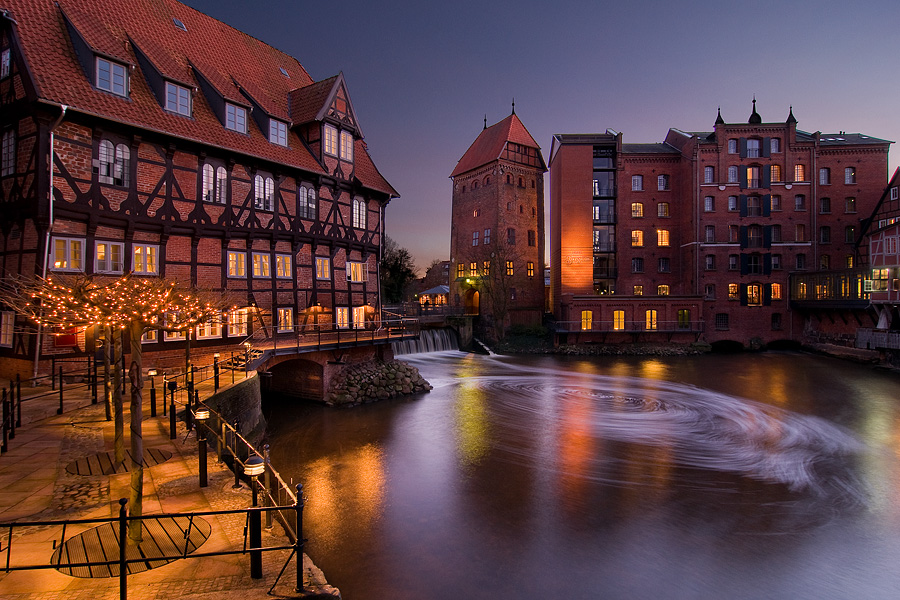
column 34, row 486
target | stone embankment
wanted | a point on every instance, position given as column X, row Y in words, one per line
column 374, row 380
column 633, row 349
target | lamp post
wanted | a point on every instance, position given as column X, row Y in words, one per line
column 152, row 374
column 216, row 372
column 246, row 357
column 201, row 415
column 254, row 467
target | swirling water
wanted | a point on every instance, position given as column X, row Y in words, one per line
column 748, row 476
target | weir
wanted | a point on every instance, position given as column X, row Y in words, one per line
column 430, row 340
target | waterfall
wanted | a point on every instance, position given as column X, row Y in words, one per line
column 430, row 340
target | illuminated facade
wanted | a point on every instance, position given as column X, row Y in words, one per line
column 703, row 228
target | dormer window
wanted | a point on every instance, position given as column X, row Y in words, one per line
column 178, row 99
column 5, row 59
column 347, row 146
column 331, row 140
column 235, row 118
column 112, row 77
column 278, row 132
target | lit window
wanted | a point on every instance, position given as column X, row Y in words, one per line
column 278, row 132
column 487, row 236
column 109, row 257
column 754, row 294
column 637, row 183
column 145, row 259
column 323, row 267
column 235, row 118
column 331, row 139
column 264, row 193
column 637, row 238
column 753, row 148
column 509, row 268
column 775, row 173
column 285, row 320
column 283, row 266
column 474, row 238
column 237, row 322
column 347, row 146
column 753, row 177
column 170, row 320
column 530, row 269
column 637, row 210
column 113, row 163
column 732, row 174
column 476, row 212
column 359, row 213
column 112, row 77
column 307, row 203
column 650, row 321
column 709, row 204
column 5, row 63
column 7, row 323
column 662, row 237
column 824, row 176
column 210, row 329
column 356, row 272
column 709, row 174
column 486, row 268
column 460, row 270
column 342, row 317
column 178, row 99
column 662, row 209
column 776, row 291
column 662, row 183
column 799, row 173
column 587, row 320
column 68, row 254
column 8, row 156
column 359, row 317
column 260, row 265
column 473, row 269
column 850, row 175
column 662, row 290
column 638, row 290
column 618, row 320
column 733, row 291
column 237, row 264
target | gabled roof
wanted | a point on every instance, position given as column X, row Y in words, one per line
column 491, row 141
column 366, row 171
column 237, row 66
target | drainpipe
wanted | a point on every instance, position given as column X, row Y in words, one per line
column 37, row 345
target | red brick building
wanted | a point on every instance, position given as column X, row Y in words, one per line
column 146, row 137
column 496, row 238
column 695, row 237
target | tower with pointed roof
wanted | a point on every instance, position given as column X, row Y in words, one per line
column 497, row 228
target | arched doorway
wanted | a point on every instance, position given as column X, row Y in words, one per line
column 472, row 302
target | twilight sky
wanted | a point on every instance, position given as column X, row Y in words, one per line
column 422, row 75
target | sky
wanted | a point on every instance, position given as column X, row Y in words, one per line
column 423, row 75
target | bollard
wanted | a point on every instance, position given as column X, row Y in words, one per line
column 298, row 545
column 165, row 383
column 216, row 372
column 92, row 370
column 4, row 444
column 123, row 536
column 232, row 367
column 18, row 401
column 172, row 385
column 12, row 411
column 59, row 410
column 153, row 400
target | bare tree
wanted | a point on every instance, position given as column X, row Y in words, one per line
column 497, row 285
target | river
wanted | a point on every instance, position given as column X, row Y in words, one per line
column 771, row 475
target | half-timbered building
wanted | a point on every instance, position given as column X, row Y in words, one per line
column 144, row 136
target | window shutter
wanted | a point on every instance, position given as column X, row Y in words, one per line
column 743, row 236
column 767, row 295
column 766, row 182
column 767, row 236
column 743, row 148
column 766, row 205
column 743, row 294
column 766, row 147
column 745, row 264
column 767, row 264
column 742, row 177
column 743, row 205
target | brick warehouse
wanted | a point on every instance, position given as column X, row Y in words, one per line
column 497, row 227
column 223, row 166
column 695, row 237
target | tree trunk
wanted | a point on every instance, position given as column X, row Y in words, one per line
column 107, row 383
column 135, row 374
column 118, row 404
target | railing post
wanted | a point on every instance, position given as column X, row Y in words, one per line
column 59, row 410
column 9, row 417
column 18, row 401
column 298, row 544
column 234, row 455
column 172, row 385
column 123, row 541
column 232, row 367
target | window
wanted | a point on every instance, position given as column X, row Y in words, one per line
column 732, row 174
column 360, row 213
column 709, row 204
column 801, row 262
column 264, row 193
column 210, row 329
column 145, row 259
column 342, row 317
column 754, row 208
column 709, row 174
column 237, row 322
column 356, row 272
column 850, row 204
column 710, row 234
column 637, row 238
column 112, row 77
column 733, row 205
column 850, row 234
column 237, row 264
column 776, row 233
column 637, row 265
column 734, row 233
column 331, row 140
column 754, row 264
column 710, row 262
column 476, row 212
column 637, row 210
column 618, row 320
column 509, row 268
column 285, row 320
column 775, row 145
column 650, row 321
column 825, row 235
column 776, row 291
column 278, row 132
column 662, row 183
column 235, row 118
column 824, row 176
column 170, row 319
column 487, row 237
column 800, row 232
column 68, row 254
column 486, row 268
column 7, row 323
column 347, row 146
column 473, row 269
column 662, row 290
column 776, row 321
column 260, row 264
column 824, row 206
column 850, row 175
column 113, row 163
column 776, row 203
column 776, row 262
column 754, row 294
column 662, row 237
column 638, row 290
column 753, row 177
column 684, row 318
column 710, row 291
column 178, row 99
column 775, row 173
column 587, row 318
column 722, row 321
column 323, row 267
column 307, row 203
column 460, row 270
column 359, row 317
column 109, row 257
column 753, row 148
column 8, row 156
column 799, row 173
column 848, row 262
column 637, row 183
column 530, row 268
column 895, row 193
column 511, row 236
column 732, row 146
column 799, row 202
column 474, row 238
column 733, row 291
column 5, row 61
column 662, row 210
column 532, row 237
column 732, row 262
column 215, row 184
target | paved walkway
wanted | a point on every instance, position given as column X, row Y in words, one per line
column 34, row 486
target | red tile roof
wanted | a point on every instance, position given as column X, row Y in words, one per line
column 490, row 142
column 305, row 103
column 220, row 52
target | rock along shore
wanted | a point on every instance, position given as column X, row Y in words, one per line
column 374, row 380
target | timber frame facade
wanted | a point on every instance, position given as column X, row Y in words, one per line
column 132, row 146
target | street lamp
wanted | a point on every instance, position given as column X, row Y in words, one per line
column 152, row 374
column 201, row 415
column 254, row 467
